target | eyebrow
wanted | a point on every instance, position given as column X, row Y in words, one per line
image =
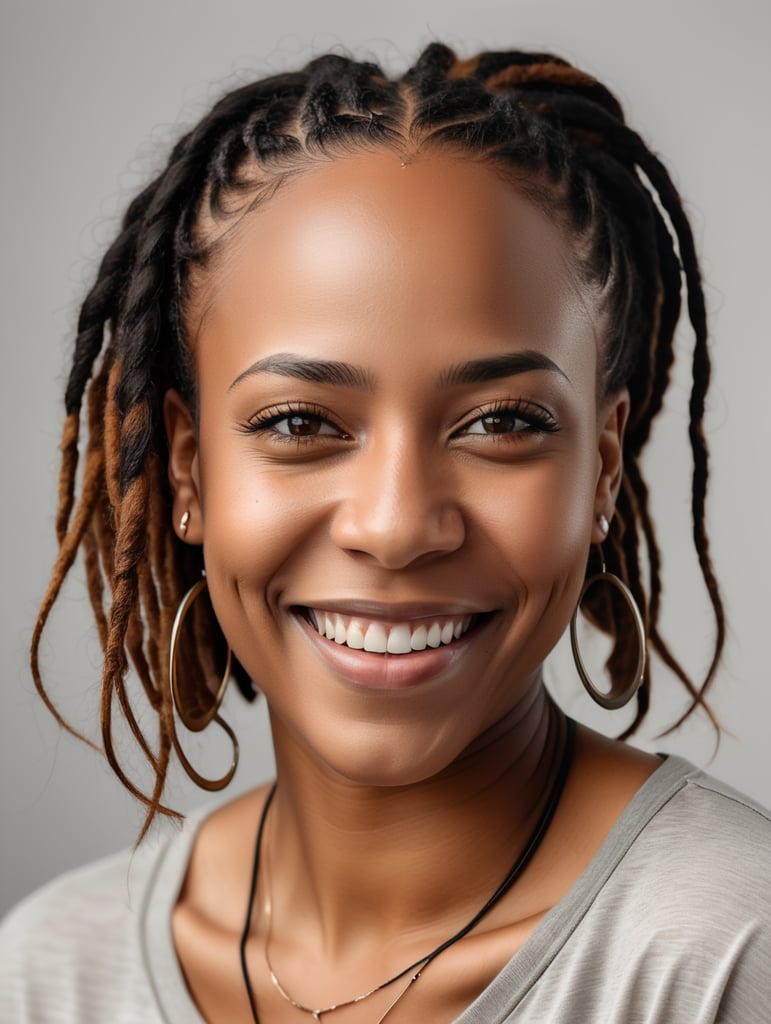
column 477, row 371
column 323, row 371
column 316, row 371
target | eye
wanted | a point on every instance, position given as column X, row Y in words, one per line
column 292, row 423
column 511, row 418
column 302, row 424
column 507, row 422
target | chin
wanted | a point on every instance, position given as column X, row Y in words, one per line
column 384, row 755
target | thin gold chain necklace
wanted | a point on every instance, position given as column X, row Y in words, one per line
column 416, row 969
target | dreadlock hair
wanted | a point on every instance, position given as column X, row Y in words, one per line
column 555, row 132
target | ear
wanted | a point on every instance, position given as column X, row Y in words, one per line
column 183, row 468
column 611, row 423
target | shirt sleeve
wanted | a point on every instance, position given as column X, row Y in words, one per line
column 69, row 953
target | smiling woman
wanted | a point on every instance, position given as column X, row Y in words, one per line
column 378, row 359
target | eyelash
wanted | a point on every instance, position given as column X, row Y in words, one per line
column 265, row 422
column 538, row 420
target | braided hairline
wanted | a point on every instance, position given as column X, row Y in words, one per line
column 554, row 130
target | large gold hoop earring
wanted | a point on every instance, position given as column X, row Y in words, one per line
column 610, row 701
column 198, row 718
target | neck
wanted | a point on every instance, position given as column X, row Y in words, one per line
column 351, row 864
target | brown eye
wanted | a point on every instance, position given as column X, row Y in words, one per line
column 498, row 423
column 511, row 420
column 303, row 426
column 293, row 424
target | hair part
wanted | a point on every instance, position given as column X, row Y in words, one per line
column 555, row 132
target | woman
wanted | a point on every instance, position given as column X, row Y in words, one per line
column 379, row 359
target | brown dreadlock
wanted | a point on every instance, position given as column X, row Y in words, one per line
column 555, row 131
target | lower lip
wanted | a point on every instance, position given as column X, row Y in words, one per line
column 388, row 671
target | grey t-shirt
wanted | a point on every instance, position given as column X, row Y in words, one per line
column 669, row 924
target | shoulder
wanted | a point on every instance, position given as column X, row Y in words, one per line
column 696, row 836
column 73, row 950
column 686, row 904
column 671, row 921
column 689, row 851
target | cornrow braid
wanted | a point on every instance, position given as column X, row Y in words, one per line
column 557, row 133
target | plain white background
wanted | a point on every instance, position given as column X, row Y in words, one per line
column 93, row 92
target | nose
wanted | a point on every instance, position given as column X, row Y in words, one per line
column 401, row 505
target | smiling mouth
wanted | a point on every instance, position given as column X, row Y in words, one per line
column 378, row 637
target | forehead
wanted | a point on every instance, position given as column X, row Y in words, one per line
column 440, row 245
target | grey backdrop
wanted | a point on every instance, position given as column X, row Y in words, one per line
column 90, row 94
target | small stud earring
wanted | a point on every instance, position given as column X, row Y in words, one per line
column 604, row 525
column 184, row 522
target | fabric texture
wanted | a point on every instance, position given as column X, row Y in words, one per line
column 669, row 924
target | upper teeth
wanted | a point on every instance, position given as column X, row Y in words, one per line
column 382, row 638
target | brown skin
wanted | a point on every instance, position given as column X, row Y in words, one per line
column 398, row 810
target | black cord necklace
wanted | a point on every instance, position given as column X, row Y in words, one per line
column 524, row 858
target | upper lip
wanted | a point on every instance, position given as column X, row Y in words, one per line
column 402, row 611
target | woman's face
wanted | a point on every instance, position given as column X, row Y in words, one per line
column 400, row 448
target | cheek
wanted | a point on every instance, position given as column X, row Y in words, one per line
column 541, row 515
column 540, row 540
column 256, row 517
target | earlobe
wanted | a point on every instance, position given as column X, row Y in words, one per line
column 183, row 468
column 610, row 447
